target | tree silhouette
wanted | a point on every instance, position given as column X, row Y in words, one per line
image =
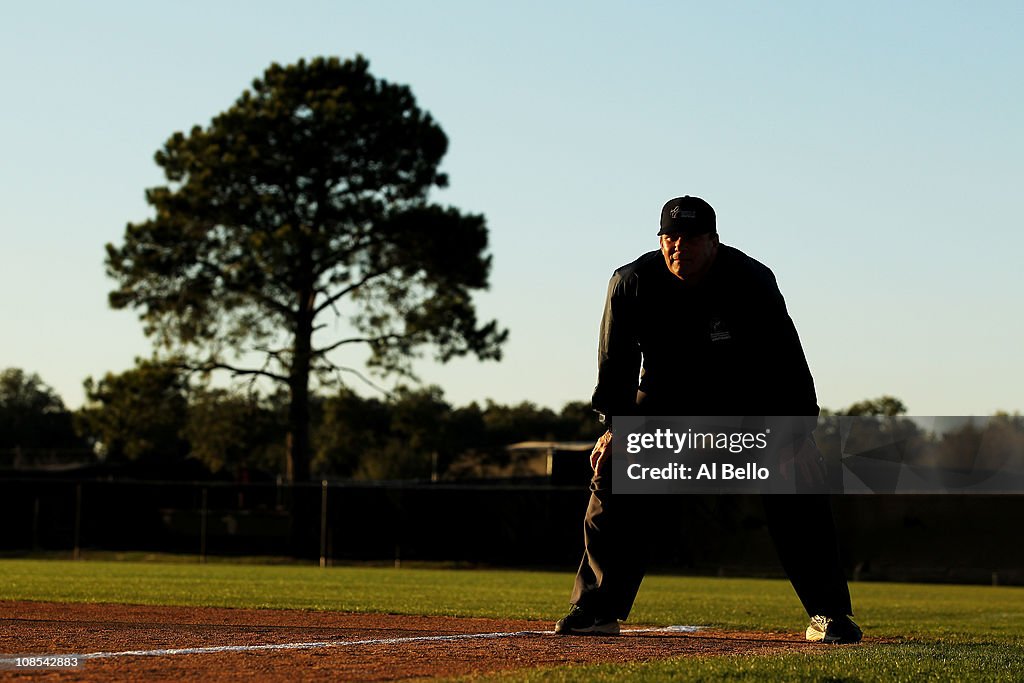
column 306, row 199
column 234, row 432
column 137, row 414
column 32, row 415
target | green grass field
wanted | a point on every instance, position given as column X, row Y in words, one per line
column 943, row 632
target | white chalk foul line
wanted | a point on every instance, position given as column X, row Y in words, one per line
column 339, row 643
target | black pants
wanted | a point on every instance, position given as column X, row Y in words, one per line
column 616, row 534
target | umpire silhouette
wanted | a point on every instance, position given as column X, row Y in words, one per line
column 700, row 328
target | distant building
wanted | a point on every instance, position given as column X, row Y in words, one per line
column 563, row 462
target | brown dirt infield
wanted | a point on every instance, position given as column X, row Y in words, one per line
column 41, row 628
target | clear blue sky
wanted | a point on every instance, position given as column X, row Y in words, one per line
column 871, row 153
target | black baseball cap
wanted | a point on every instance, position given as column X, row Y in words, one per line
column 687, row 215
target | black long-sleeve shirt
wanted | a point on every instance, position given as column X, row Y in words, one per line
column 722, row 346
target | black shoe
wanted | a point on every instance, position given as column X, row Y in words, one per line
column 840, row 630
column 580, row 622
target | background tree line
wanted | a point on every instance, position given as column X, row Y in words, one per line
column 153, row 416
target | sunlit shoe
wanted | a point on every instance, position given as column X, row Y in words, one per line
column 580, row 622
column 840, row 630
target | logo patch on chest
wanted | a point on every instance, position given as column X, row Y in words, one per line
column 719, row 331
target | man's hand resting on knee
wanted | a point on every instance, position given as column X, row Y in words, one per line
column 602, row 448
